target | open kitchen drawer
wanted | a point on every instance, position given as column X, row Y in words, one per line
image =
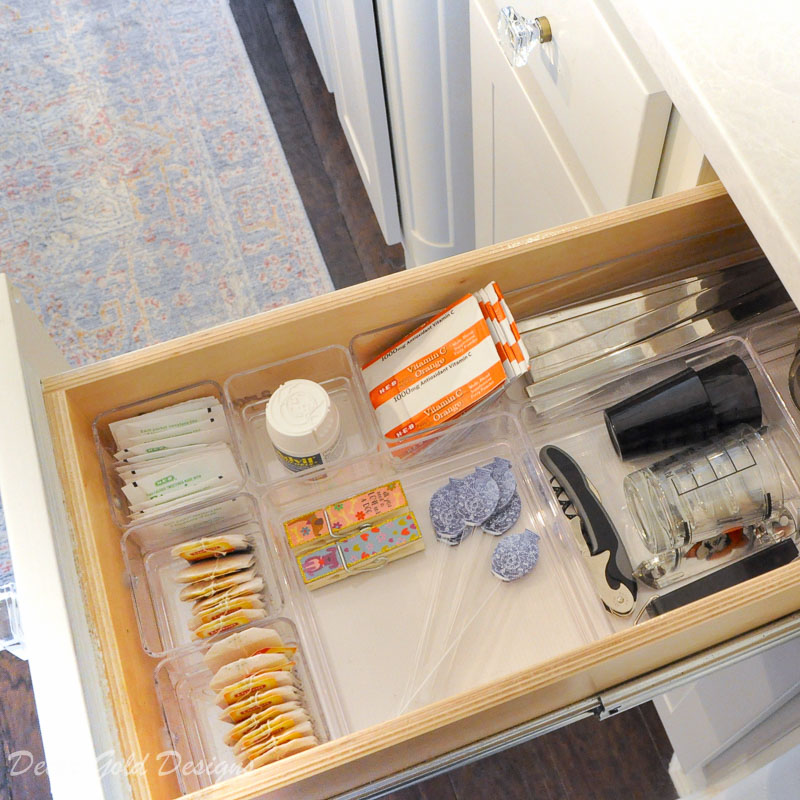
column 94, row 682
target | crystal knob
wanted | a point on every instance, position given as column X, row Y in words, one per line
column 519, row 35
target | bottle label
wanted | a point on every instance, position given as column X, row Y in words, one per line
column 300, row 463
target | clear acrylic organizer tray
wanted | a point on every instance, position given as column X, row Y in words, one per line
column 248, row 393
column 199, row 755
column 104, row 442
column 163, row 618
column 366, row 346
column 579, row 428
column 436, row 622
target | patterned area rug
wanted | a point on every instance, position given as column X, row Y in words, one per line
column 143, row 190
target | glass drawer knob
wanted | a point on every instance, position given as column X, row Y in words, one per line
column 519, row 35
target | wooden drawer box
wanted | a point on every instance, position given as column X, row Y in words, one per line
column 654, row 239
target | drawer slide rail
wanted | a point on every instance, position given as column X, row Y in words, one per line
column 621, row 698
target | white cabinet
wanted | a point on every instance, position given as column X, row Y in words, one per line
column 476, row 151
column 358, row 88
column 523, row 181
column 576, row 131
column 426, row 58
column 314, row 16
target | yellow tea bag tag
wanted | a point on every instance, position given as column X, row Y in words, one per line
column 259, row 682
column 251, row 723
column 226, row 606
column 277, row 740
column 210, row 547
column 258, row 702
column 270, row 728
column 202, row 589
column 229, row 622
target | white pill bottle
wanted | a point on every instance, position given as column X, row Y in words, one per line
column 304, row 425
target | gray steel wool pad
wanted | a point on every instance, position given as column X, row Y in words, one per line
column 515, row 555
column 505, row 518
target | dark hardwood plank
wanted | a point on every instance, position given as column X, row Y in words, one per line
column 606, row 760
column 657, row 733
column 20, row 736
column 521, row 773
column 438, row 788
column 299, row 146
column 625, row 756
column 377, row 258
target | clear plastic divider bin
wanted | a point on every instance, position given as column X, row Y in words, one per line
column 200, row 755
column 438, row 621
column 580, row 430
column 164, row 618
column 107, row 447
column 248, row 394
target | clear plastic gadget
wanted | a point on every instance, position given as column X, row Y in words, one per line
column 106, row 448
column 436, row 622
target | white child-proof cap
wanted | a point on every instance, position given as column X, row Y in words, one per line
column 301, row 419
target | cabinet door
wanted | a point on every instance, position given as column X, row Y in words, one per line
column 525, row 180
column 361, row 105
column 70, row 697
column 702, row 722
column 314, row 16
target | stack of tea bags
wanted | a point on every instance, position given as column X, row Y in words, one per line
column 222, row 580
column 174, row 456
column 255, row 685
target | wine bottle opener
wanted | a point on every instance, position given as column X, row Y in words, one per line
column 595, row 533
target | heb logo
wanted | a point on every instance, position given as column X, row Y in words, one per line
column 405, row 429
column 166, row 479
column 390, row 385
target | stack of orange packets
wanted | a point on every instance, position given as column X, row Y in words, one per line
column 453, row 362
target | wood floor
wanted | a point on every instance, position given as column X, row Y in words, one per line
column 318, row 154
column 625, row 756
column 19, row 732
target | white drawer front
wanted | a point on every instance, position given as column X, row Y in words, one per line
column 608, row 103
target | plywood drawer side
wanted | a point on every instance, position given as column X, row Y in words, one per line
column 643, row 242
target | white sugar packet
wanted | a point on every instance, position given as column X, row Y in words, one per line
column 185, row 476
column 157, row 455
column 156, row 510
column 164, row 435
column 216, row 433
column 137, row 472
column 148, row 417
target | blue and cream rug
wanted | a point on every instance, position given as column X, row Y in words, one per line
column 143, row 190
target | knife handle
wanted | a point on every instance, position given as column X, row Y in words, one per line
column 599, row 531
